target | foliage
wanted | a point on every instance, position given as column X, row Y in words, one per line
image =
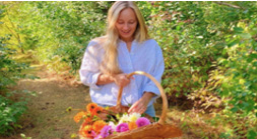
column 58, row 29
column 10, row 72
column 209, row 49
column 210, row 56
column 10, row 112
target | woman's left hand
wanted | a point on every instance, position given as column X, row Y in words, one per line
column 141, row 105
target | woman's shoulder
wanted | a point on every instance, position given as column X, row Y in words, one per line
column 99, row 39
column 96, row 42
column 153, row 45
column 150, row 42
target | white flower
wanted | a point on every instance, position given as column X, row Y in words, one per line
column 112, row 125
column 134, row 116
column 124, row 118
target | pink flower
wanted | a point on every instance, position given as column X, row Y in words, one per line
column 122, row 127
column 142, row 121
column 106, row 131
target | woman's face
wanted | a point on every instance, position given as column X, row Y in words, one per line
column 126, row 24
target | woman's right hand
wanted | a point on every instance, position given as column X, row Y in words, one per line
column 121, row 80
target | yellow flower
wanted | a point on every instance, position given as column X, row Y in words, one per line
column 134, row 116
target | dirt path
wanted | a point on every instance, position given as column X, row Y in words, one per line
column 47, row 117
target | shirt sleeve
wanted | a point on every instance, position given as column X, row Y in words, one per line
column 156, row 73
column 90, row 67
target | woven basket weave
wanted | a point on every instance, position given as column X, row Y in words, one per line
column 158, row 130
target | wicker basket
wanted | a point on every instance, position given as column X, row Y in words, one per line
column 158, row 130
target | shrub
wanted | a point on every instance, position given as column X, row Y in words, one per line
column 10, row 112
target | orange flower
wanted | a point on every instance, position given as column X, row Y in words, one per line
column 88, row 120
column 91, row 107
column 132, row 125
column 97, row 110
column 98, row 125
column 86, row 131
column 78, row 116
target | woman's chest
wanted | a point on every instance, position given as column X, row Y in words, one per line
column 137, row 59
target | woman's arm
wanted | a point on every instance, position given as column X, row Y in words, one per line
column 150, row 90
column 90, row 73
column 89, row 70
column 119, row 79
column 104, row 79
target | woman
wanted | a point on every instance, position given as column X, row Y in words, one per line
column 125, row 48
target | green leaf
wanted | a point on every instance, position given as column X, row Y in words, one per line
column 233, row 43
column 252, row 134
column 246, row 35
column 251, row 57
column 238, row 29
column 156, row 119
column 234, row 109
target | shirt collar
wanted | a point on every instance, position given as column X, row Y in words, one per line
column 121, row 41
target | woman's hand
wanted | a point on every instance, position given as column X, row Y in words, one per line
column 121, row 80
column 141, row 105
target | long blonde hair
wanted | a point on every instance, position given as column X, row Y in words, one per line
column 110, row 63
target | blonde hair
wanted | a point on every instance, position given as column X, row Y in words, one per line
column 110, row 64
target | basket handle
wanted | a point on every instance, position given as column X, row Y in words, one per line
column 163, row 95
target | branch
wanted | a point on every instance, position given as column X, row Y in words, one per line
column 11, row 32
column 17, row 35
column 230, row 5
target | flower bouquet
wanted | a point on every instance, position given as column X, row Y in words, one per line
column 99, row 123
column 115, row 123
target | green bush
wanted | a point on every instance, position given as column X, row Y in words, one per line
column 59, row 29
column 210, row 57
column 10, row 72
column 10, row 112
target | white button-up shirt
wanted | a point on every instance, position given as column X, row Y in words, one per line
column 146, row 56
